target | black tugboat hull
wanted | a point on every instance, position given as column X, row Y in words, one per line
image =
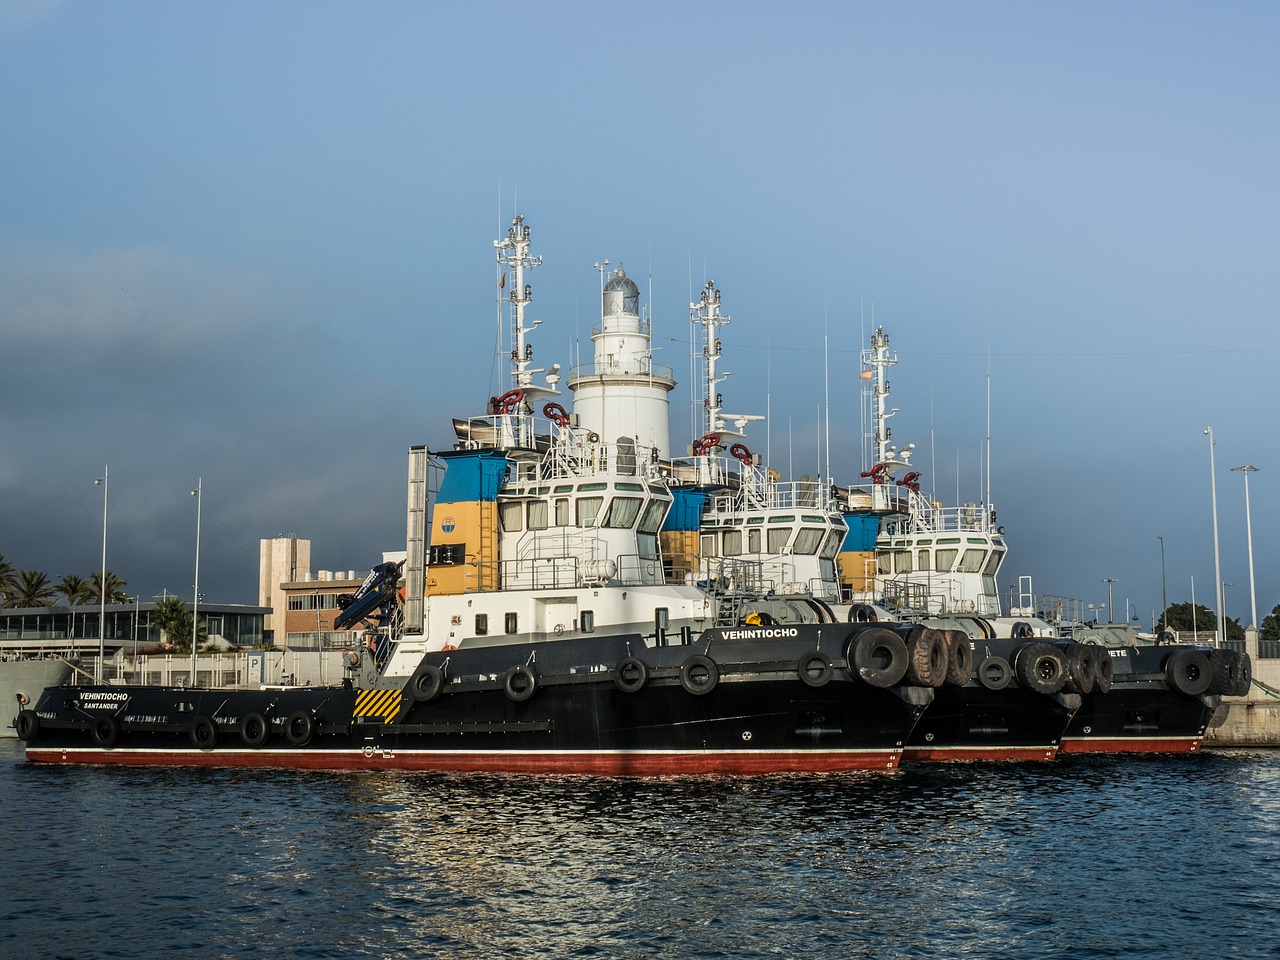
column 584, row 711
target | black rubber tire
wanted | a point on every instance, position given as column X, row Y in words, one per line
column 630, row 675
column 1232, row 673
column 1189, row 672
column 1022, row 631
column 104, row 732
column 1244, row 676
column 520, row 683
column 427, row 683
column 203, row 734
column 1104, row 671
column 299, row 727
column 1081, row 668
column 27, row 724
column 254, row 730
column 1041, row 668
column 699, row 675
column 928, row 654
column 959, row 658
column 877, row 657
column 994, row 673
column 815, row 668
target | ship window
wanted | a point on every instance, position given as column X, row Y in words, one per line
column 661, row 618
column 831, row 548
column 651, row 522
column 946, row 560
column 622, row 512
column 783, row 519
column 808, row 540
column 732, row 543
column 752, row 520
column 562, row 512
column 708, row 544
column 446, row 554
column 647, row 546
column 588, row 507
column 482, row 624
column 753, row 541
column 582, row 488
column 511, row 622
column 971, row 561
column 922, row 559
column 778, row 539
column 630, row 487
column 564, row 488
column 511, row 513
column 993, row 563
column 884, row 563
column 588, row 621
column 537, row 514
column 902, row 561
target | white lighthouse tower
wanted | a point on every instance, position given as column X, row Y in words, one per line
column 623, row 395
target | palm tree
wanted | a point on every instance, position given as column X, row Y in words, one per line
column 74, row 589
column 115, row 587
column 172, row 616
column 8, row 580
column 33, row 590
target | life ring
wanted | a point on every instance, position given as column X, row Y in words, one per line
column 928, row 657
column 994, row 673
column 556, row 414
column 203, row 734
column 630, row 675
column 1189, row 672
column 699, row 675
column 815, row 669
column 426, row 683
column 520, row 683
column 105, row 731
column 959, row 657
column 254, row 730
column 862, row 613
column 705, row 444
column 1040, row 668
column 877, row 656
column 1082, row 668
column 509, row 401
column 27, row 724
column 299, row 727
column 740, row 453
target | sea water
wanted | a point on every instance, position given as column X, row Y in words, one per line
column 1082, row 858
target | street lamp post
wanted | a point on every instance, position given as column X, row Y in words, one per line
column 1164, row 594
column 102, row 587
column 1111, row 610
column 1220, row 633
column 195, row 598
column 1248, row 523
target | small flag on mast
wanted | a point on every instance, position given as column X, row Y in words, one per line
column 865, row 375
column 503, row 282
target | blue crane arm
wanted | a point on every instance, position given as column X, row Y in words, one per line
column 378, row 589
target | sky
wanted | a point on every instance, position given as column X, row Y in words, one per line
column 250, row 246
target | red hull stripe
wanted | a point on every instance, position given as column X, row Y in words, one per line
column 610, row 763
column 1131, row 744
column 960, row 754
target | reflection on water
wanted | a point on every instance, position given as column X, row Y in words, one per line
column 1084, row 858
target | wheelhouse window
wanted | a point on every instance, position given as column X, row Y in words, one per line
column 808, row 540
column 993, row 563
column 902, row 561
column 971, row 560
column 651, row 520
column 778, row 540
column 831, row 548
column 946, row 559
column 732, row 543
column 753, row 541
column 922, row 559
column 588, row 508
column 623, row 512
column 562, row 511
column 511, row 516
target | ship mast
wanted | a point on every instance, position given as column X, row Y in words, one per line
column 513, row 253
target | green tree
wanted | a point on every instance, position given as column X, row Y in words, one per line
column 1269, row 629
column 8, row 580
column 74, row 589
column 33, row 590
column 1180, row 617
column 115, row 587
column 172, row 616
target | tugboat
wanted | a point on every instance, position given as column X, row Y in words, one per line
column 542, row 627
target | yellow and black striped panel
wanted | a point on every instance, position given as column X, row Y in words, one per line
column 378, row 703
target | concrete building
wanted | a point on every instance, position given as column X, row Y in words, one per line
column 283, row 559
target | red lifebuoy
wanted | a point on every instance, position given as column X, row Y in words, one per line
column 740, row 453
column 509, row 401
column 556, row 414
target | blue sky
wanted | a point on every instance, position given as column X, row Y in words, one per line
column 252, row 243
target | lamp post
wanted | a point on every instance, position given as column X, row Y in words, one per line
column 1111, row 613
column 195, row 598
column 1219, row 634
column 1248, row 524
column 102, row 587
column 1164, row 594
